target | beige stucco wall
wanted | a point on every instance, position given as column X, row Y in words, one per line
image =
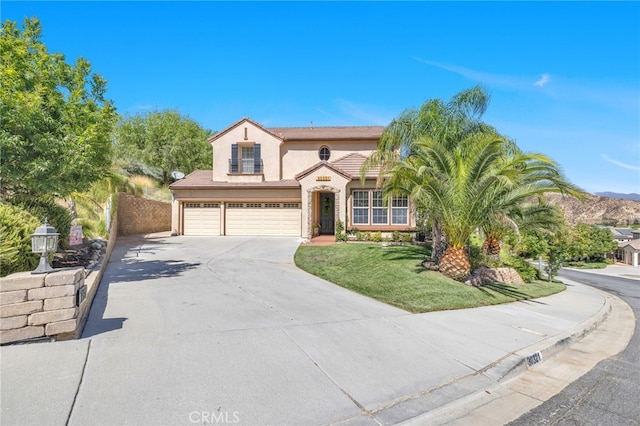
column 299, row 156
column 269, row 151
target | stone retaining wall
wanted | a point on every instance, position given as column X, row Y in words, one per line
column 44, row 305
column 142, row 216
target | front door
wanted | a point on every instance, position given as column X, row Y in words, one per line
column 327, row 213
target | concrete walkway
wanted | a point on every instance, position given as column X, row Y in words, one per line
column 188, row 330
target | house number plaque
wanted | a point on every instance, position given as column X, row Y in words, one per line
column 323, row 178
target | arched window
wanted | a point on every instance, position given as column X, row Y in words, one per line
column 324, row 153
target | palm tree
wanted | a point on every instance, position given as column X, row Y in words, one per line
column 465, row 185
column 447, row 123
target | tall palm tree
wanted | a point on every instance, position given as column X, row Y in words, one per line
column 466, row 184
column 448, row 123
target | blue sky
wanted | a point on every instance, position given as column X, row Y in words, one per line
column 564, row 77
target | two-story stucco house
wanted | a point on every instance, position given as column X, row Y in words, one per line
column 283, row 181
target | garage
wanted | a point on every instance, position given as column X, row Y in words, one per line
column 201, row 219
column 281, row 219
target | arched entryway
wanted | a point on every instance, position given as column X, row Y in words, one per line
column 323, row 209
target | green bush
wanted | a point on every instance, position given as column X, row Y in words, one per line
column 407, row 238
column 16, row 227
column 527, row 271
column 395, row 236
column 376, row 237
column 340, row 235
column 58, row 216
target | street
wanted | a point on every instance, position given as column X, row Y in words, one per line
column 608, row 394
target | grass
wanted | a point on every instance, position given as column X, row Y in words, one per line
column 394, row 275
column 585, row 265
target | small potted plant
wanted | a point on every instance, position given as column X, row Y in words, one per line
column 316, row 229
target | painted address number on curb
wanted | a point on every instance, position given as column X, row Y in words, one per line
column 534, row 358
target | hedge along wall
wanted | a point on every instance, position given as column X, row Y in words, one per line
column 142, row 216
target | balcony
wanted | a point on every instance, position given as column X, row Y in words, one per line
column 246, row 167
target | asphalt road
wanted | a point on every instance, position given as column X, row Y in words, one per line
column 608, row 394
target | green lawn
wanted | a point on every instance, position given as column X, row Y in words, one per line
column 394, row 275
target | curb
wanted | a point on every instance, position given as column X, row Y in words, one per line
column 435, row 406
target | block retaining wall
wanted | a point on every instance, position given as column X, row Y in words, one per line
column 45, row 305
column 142, row 216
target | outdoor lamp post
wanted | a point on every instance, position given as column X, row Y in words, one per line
column 44, row 240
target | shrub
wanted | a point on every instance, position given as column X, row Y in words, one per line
column 527, row 271
column 407, row 238
column 395, row 236
column 376, row 237
column 16, row 227
column 58, row 216
column 340, row 235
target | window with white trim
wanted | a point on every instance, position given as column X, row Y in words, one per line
column 370, row 208
column 400, row 210
column 379, row 209
column 247, row 159
column 360, row 207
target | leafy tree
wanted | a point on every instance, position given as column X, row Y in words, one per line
column 166, row 140
column 591, row 241
column 55, row 135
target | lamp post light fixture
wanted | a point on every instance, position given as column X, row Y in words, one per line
column 44, row 240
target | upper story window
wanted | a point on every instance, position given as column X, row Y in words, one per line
column 324, row 153
column 245, row 158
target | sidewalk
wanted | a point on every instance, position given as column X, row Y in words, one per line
column 328, row 356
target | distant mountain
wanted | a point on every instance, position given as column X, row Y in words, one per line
column 598, row 210
column 632, row 196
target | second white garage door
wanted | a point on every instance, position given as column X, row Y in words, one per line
column 281, row 219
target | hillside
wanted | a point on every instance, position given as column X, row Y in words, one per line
column 598, row 210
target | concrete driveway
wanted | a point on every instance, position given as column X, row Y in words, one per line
column 188, row 330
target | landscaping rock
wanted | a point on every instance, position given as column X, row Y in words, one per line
column 484, row 275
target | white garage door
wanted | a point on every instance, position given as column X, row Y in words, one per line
column 263, row 219
column 201, row 218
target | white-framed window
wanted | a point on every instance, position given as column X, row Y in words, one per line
column 400, row 210
column 247, row 159
column 369, row 208
column 360, row 207
column 379, row 212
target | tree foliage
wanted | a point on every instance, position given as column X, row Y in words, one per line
column 55, row 136
column 462, row 172
column 166, row 140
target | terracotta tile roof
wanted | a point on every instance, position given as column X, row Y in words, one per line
column 320, row 164
column 311, row 133
column 351, row 164
column 327, row 133
column 347, row 166
column 202, row 179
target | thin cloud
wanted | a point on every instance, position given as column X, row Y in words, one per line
column 620, row 164
column 544, row 79
column 483, row 77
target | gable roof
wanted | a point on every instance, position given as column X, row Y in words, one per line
column 327, row 133
column 347, row 166
column 634, row 244
column 319, row 165
column 238, row 123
